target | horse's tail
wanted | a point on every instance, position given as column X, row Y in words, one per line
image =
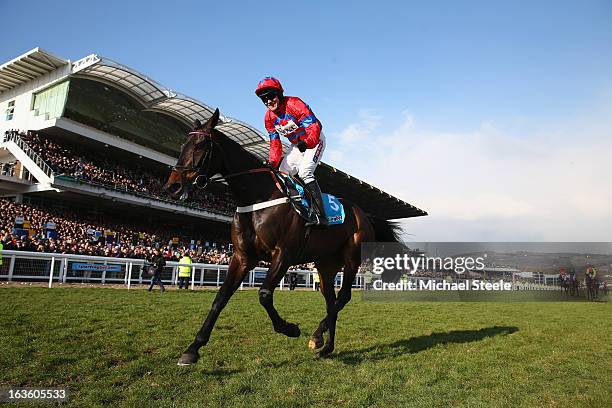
column 385, row 230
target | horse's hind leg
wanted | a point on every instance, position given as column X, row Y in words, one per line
column 344, row 296
column 239, row 266
column 329, row 292
column 277, row 271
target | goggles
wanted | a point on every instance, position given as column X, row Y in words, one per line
column 268, row 96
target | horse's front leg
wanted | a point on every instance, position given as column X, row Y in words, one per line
column 277, row 271
column 239, row 266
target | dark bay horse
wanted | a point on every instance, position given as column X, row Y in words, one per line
column 564, row 283
column 275, row 234
column 592, row 287
column 574, row 286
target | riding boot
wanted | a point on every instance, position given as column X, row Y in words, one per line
column 317, row 203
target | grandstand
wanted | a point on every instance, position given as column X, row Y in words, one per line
column 94, row 140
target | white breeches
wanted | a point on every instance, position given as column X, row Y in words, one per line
column 303, row 164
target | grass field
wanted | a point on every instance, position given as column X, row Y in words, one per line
column 114, row 347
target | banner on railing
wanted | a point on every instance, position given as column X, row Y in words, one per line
column 95, row 267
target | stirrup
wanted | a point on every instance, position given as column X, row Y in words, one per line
column 317, row 222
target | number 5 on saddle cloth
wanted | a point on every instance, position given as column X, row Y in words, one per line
column 334, row 210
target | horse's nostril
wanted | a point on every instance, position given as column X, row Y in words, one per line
column 175, row 188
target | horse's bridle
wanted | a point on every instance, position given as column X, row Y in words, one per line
column 197, row 167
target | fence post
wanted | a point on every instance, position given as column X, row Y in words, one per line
column 129, row 275
column 202, row 271
column 64, row 269
column 51, row 271
column 218, row 276
column 282, row 283
column 104, row 273
column 193, row 272
column 174, row 275
column 11, row 268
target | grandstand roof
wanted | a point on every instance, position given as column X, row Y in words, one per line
column 157, row 97
column 370, row 198
column 31, row 65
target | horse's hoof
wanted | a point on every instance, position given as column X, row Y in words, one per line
column 292, row 330
column 325, row 352
column 315, row 343
column 188, row 359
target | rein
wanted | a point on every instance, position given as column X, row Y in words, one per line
column 218, row 179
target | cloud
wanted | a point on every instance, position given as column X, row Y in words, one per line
column 548, row 183
column 361, row 130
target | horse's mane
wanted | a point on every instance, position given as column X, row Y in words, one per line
column 237, row 146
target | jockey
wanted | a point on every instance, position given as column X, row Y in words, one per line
column 591, row 272
column 572, row 274
column 290, row 117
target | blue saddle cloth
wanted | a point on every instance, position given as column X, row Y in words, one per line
column 334, row 210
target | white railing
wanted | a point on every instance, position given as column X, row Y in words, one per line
column 61, row 268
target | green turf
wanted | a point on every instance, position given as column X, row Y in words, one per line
column 111, row 346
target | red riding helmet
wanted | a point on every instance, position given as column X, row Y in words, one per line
column 268, row 83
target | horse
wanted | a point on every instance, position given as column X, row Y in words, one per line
column 574, row 286
column 275, row 234
column 564, row 283
column 592, row 287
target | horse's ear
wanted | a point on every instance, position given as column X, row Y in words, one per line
column 197, row 124
column 212, row 121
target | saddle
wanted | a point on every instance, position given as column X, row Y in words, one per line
column 300, row 200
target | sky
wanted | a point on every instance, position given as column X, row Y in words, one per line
column 494, row 117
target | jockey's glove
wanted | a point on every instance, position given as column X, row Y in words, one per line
column 301, row 145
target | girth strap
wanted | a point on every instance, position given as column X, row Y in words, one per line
column 261, row 206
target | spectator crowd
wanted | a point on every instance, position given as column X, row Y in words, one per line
column 101, row 169
column 25, row 227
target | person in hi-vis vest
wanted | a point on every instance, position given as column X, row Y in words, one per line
column 184, row 272
column 316, row 280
